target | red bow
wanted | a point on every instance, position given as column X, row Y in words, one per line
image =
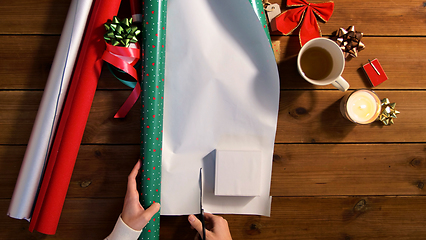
column 292, row 18
column 125, row 58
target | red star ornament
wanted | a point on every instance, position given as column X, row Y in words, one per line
column 304, row 14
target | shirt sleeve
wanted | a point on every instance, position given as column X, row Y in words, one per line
column 123, row 232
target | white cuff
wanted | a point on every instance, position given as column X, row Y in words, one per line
column 123, row 232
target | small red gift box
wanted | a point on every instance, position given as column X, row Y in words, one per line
column 375, row 72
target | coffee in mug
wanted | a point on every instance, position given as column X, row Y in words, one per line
column 316, row 63
column 321, row 62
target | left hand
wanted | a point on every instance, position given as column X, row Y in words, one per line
column 134, row 215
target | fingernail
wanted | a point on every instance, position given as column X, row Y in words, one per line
column 191, row 218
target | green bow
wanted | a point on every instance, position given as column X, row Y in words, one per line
column 121, row 32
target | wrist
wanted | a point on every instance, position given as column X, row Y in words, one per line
column 129, row 222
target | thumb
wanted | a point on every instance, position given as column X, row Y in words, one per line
column 153, row 209
column 195, row 223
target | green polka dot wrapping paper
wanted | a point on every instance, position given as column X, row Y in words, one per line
column 153, row 68
column 260, row 12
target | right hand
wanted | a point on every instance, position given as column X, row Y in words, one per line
column 219, row 227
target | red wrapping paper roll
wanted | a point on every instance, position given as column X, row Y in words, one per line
column 70, row 131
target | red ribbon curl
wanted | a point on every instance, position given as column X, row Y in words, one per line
column 114, row 55
column 304, row 15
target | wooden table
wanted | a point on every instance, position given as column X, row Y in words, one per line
column 331, row 179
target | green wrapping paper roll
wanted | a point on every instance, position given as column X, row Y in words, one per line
column 154, row 49
column 260, row 12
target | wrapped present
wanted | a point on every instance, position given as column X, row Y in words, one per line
column 375, row 72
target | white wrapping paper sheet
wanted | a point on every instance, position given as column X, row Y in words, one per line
column 221, row 92
column 36, row 154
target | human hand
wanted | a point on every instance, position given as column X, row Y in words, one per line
column 134, row 215
column 216, row 227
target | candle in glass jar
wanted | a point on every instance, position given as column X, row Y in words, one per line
column 361, row 106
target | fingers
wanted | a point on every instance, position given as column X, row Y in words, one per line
column 209, row 215
column 131, row 181
column 213, row 218
column 216, row 221
column 153, row 209
column 195, row 223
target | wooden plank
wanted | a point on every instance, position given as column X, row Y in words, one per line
column 80, row 219
column 401, row 18
column 304, row 117
column 27, row 60
column 314, row 117
column 348, row 169
column 33, row 16
column 19, row 108
column 291, row 218
column 405, row 71
column 26, row 63
column 338, row 218
column 298, row 170
column 100, row 170
column 378, row 17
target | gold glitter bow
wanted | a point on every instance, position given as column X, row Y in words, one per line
column 121, row 32
column 349, row 41
column 388, row 112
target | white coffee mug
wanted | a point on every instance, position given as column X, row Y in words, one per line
column 333, row 75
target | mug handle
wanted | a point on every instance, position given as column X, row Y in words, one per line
column 341, row 84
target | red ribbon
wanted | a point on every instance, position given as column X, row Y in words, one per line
column 304, row 15
column 113, row 55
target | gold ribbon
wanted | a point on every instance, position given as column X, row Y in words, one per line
column 388, row 113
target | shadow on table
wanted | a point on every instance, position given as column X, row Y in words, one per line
column 287, row 67
column 176, row 227
column 363, row 76
column 290, row 77
column 334, row 124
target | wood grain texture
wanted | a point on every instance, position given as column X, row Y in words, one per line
column 18, row 110
column 292, row 218
column 331, row 179
column 304, row 117
column 378, row 17
column 298, row 170
column 348, row 169
column 27, row 62
column 404, row 71
column 381, row 17
column 33, row 16
column 314, row 117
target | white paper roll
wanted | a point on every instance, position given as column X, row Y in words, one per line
column 44, row 128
